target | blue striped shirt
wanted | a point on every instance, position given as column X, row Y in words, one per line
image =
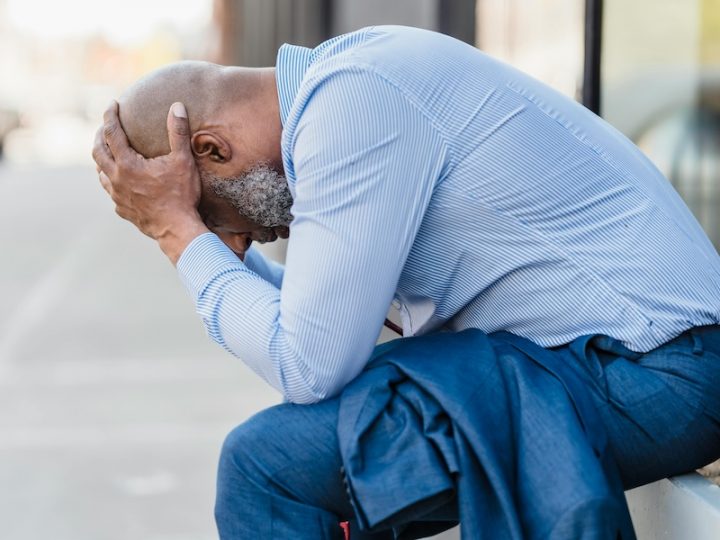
column 428, row 174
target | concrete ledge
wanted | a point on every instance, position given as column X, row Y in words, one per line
column 679, row 508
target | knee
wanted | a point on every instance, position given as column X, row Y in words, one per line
column 245, row 446
column 243, row 475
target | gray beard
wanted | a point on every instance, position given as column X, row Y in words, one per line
column 260, row 195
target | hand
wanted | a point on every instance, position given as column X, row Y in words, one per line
column 159, row 195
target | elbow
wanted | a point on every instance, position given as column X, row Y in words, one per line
column 310, row 390
column 306, row 395
column 304, row 399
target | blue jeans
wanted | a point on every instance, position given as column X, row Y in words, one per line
column 280, row 472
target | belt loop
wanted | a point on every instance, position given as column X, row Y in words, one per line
column 697, row 349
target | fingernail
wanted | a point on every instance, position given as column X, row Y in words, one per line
column 179, row 111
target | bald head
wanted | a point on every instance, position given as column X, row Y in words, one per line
column 235, row 131
column 203, row 88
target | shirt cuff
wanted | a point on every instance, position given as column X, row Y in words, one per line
column 205, row 258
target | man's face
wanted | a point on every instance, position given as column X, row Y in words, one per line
column 254, row 206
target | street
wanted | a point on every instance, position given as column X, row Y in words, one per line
column 113, row 403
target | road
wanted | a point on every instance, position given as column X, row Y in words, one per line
column 113, row 403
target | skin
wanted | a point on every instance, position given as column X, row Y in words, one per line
column 234, row 124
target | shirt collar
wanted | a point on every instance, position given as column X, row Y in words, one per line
column 292, row 63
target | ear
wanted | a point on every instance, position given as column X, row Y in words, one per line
column 208, row 145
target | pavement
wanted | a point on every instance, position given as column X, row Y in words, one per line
column 113, row 402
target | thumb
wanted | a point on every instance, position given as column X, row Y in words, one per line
column 178, row 128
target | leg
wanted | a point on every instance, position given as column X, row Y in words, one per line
column 279, row 477
column 662, row 409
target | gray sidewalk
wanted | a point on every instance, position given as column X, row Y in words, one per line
column 113, row 403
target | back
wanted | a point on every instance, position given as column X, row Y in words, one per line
column 545, row 221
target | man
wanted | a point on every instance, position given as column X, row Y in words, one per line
column 411, row 169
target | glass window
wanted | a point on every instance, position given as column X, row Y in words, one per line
column 661, row 87
column 541, row 37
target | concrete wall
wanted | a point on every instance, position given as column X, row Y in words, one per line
column 349, row 15
column 680, row 508
column 452, row 17
column 252, row 30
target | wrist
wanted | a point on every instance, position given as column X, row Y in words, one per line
column 174, row 239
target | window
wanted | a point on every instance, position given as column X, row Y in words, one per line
column 541, row 37
column 660, row 85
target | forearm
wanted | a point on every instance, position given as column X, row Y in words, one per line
column 236, row 305
column 305, row 355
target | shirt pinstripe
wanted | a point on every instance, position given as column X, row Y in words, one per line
column 427, row 173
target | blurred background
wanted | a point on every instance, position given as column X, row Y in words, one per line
column 113, row 404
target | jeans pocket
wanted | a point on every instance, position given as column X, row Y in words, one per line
column 629, row 384
column 647, row 401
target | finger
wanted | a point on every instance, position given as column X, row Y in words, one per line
column 101, row 154
column 178, row 128
column 114, row 135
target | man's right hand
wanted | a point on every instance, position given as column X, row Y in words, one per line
column 159, row 195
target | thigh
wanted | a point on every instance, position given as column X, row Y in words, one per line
column 291, row 450
column 282, row 469
column 659, row 410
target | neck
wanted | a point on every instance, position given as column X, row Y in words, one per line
column 269, row 113
column 270, row 102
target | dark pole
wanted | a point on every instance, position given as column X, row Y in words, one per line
column 456, row 18
column 327, row 10
column 593, row 50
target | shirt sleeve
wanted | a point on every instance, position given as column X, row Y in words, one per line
column 365, row 162
column 268, row 269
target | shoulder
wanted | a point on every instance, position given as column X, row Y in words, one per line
column 375, row 61
column 385, row 49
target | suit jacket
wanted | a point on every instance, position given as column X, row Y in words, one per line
column 491, row 430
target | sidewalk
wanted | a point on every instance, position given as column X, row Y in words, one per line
column 113, row 403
